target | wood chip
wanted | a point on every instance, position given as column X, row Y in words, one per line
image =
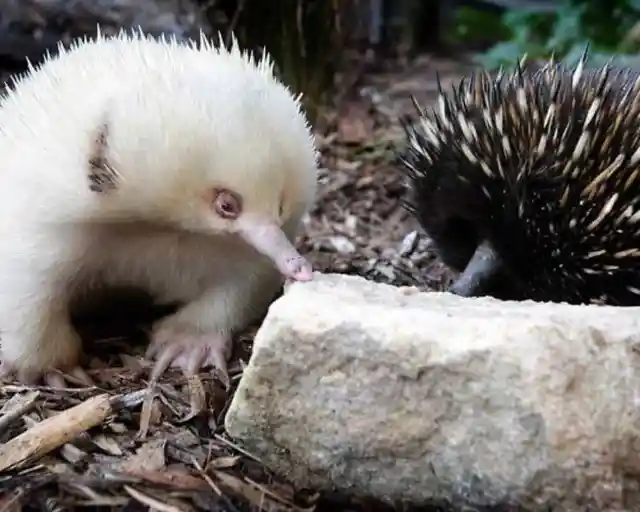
column 17, row 406
column 53, row 432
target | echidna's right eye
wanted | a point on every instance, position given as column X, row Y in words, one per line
column 227, row 204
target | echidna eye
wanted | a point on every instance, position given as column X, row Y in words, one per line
column 227, row 204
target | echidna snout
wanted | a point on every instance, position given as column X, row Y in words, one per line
column 529, row 183
column 479, row 273
column 482, row 270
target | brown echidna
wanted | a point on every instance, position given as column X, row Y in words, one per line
column 528, row 183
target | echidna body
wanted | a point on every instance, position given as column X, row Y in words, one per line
column 182, row 169
column 529, row 183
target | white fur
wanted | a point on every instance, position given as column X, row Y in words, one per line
column 181, row 118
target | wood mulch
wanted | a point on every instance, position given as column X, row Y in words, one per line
column 123, row 446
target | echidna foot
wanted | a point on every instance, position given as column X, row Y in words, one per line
column 186, row 348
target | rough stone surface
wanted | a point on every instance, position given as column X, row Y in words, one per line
column 388, row 392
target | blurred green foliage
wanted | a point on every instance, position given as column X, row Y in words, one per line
column 610, row 27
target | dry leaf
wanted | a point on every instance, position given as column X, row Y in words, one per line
column 72, row 453
column 154, row 503
column 108, row 444
column 355, row 126
column 197, row 398
column 223, row 462
column 149, row 457
column 169, row 478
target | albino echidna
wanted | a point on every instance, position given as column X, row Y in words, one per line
column 528, row 183
column 182, row 169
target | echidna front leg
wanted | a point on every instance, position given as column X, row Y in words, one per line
column 200, row 334
column 181, row 343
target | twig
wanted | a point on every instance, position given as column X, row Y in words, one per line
column 129, row 400
column 213, row 485
column 13, row 388
column 24, row 404
column 57, row 430
column 234, row 446
column 151, row 502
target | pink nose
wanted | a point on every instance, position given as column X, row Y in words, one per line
column 298, row 269
column 270, row 240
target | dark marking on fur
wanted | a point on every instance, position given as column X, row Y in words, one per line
column 103, row 178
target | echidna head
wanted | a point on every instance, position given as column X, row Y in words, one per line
column 529, row 184
column 226, row 154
